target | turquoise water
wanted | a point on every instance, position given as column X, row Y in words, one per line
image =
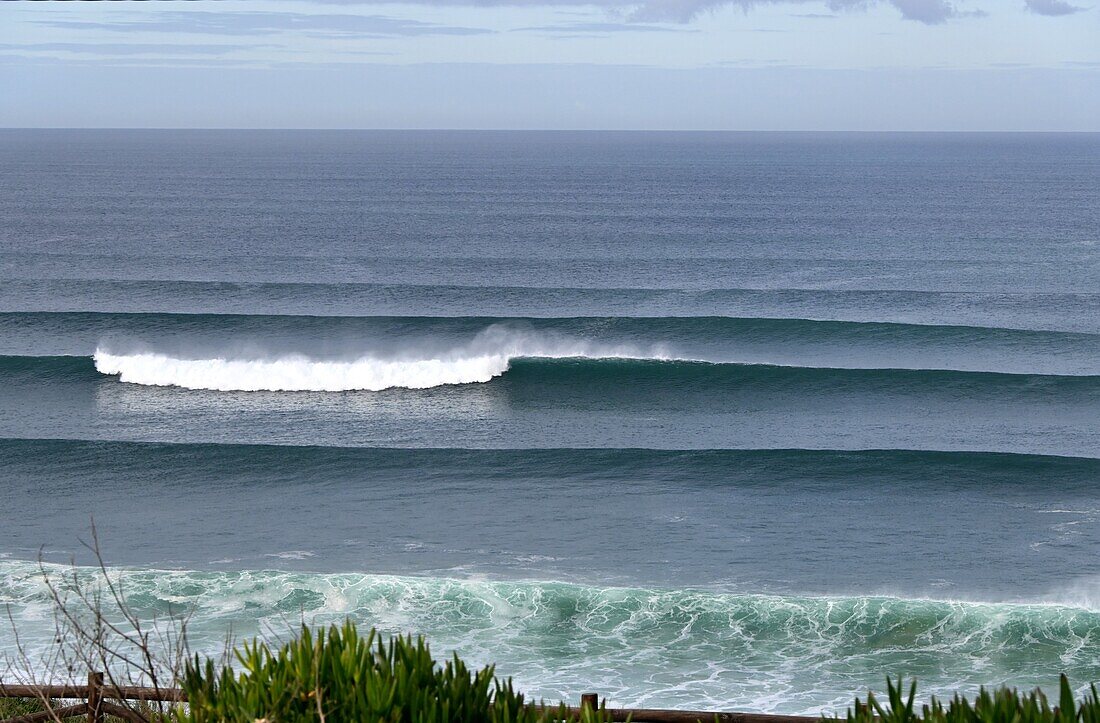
column 641, row 647
column 731, row 421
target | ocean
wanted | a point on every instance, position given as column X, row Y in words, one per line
column 740, row 421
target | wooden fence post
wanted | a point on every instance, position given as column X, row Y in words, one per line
column 590, row 700
column 95, row 697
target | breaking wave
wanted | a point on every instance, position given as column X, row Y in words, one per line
column 639, row 646
column 489, row 355
column 572, row 373
column 298, row 373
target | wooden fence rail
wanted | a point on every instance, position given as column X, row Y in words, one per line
column 98, row 697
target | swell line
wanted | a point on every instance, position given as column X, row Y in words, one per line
column 488, row 342
column 610, row 371
column 1024, row 310
column 696, row 323
column 840, row 464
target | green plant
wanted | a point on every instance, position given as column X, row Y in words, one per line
column 339, row 675
column 16, row 707
column 1005, row 705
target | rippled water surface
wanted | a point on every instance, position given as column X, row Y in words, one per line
column 738, row 421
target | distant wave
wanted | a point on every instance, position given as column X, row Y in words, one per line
column 674, row 326
column 613, row 377
column 1066, row 311
column 365, row 373
column 296, row 373
column 303, row 374
column 210, row 463
column 476, row 348
column 657, row 647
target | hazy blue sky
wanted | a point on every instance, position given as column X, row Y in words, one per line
column 708, row 64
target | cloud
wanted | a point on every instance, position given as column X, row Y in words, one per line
column 579, row 29
column 1052, row 7
column 245, row 23
column 129, row 48
column 21, row 59
column 929, row 12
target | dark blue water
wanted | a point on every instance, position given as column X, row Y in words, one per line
column 707, row 420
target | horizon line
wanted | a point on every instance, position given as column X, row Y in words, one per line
column 838, row 131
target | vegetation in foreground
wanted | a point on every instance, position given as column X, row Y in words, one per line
column 332, row 674
column 1003, row 705
column 339, row 675
column 14, row 707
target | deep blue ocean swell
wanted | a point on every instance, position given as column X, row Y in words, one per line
column 787, row 521
column 783, row 341
column 1009, row 308
column 500, row 401
column 647, row 381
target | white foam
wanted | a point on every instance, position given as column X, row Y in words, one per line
column 297, row 373
column 693, row 649
column 487, row 356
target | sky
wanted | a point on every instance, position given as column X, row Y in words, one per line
column 1029, row 65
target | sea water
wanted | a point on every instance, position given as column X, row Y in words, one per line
column 740, row 421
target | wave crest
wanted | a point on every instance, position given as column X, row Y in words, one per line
column 297, row 373
column 646, row 647
column 489, row 355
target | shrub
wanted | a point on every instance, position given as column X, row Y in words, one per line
column 339, row 675
column 1004, row 705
